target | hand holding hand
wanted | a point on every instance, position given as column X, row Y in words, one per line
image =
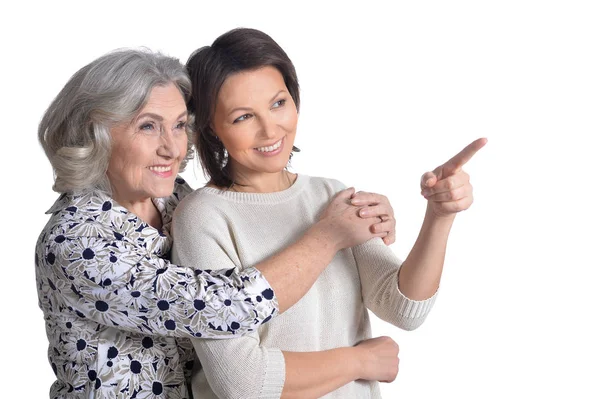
column 377, row 205
column 447, row 188
column 343, row 226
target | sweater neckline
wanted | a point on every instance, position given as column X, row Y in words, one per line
column 261, row 198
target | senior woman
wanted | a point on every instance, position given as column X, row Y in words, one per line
column 118, row 314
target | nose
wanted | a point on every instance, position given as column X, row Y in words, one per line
column 168, row 148
column 268, row 127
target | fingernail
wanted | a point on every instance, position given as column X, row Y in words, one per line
column 363, row 212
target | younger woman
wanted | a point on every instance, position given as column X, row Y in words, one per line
column 245, row 97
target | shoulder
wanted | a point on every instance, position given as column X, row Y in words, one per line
column 332, row 186
column 200, row 208
column 80, row 226
column 84, row 214
column 200, row 201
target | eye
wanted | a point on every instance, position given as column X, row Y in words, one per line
column 147, row 126
column 279, row 104
column 181, row 125
column 242, row 118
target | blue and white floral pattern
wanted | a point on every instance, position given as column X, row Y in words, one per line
column 118, row 315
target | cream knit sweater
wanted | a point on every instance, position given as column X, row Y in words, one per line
column 231, row 229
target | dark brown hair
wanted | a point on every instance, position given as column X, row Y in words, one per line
column 238, row 50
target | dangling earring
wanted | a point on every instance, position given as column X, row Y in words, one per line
column 225, row 157
column 294, row 149
column 223, row 152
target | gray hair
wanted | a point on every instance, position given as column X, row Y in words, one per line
column 75, row 129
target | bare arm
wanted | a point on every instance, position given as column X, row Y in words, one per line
column 242, row 368
column 294, row 270
column 421, row 272
column 448, row 191
column 315, row 374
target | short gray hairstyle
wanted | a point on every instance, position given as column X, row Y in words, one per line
column 75, row 129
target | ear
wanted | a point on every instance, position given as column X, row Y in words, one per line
column 212, row 131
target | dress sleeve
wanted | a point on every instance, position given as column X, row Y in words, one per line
column 119, row 284
column 378, row 268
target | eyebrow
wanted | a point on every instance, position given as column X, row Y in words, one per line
column 239, row 109
column 158, row 117
column 277, row 94
column 250, row 109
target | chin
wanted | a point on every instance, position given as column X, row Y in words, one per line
column 163, row 191
column 275, row 169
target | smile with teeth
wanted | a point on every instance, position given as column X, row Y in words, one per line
column 270, row 148
column 160, row 169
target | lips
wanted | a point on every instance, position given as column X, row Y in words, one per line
column 270, row 148
column 160, row 169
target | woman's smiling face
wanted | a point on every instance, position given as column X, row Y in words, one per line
column 147, row 152
column 256, row 119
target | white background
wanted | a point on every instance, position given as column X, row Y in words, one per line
column 388, row 92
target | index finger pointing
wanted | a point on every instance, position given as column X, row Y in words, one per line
column 467, row 153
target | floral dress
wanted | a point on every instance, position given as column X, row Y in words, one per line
column 118, row 314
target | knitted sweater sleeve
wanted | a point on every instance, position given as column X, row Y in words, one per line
column 378, row 268
column 241, row 368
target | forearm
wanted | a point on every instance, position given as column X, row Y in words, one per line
column 420, row 274
column 314, row 374
column 294, row 270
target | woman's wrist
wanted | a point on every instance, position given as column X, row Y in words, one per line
column 352, row 357
column 323, row 236
column 439, row 221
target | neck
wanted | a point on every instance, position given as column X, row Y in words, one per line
column 263, row 182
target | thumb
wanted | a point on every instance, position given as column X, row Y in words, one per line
column 345, row 194
column 428, row 180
